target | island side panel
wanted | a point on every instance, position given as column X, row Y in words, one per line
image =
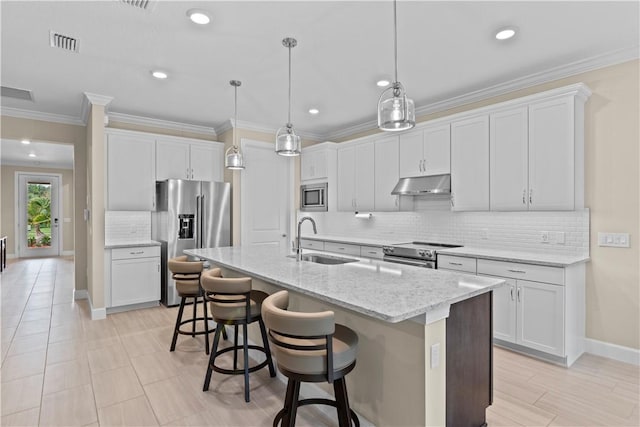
column 435, row 380
column 389, row 376
column 469, row 361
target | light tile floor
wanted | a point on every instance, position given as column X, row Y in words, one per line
column 61, row 368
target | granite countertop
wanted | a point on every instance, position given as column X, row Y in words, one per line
column 142, row 243
column 553, row 260
column 353, row 240
column 382, row 290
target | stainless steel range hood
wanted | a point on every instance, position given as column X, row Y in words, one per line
column 434, row 184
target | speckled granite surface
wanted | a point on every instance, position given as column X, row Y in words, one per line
column 553, row 260
column 382, row 290
column 111, row 245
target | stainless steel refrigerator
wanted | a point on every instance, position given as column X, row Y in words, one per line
column 189, row 214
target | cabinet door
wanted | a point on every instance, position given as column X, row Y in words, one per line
column 470, row 164
column 365, row 176
column 346, row 179
column 172, row 160
column 206, row 162
column 509, row 160
column 411, row 154
column 135, row 281
column 307, row 161
column 131, row 177
column 386, row 173
column 551, row 155
column 437, row 150
column 540, row 323
column 504, row 312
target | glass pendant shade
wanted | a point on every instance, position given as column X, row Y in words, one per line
column 233, row 158
column 287, row 142
column 396, row 112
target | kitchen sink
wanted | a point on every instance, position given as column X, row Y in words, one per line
column 324, row 259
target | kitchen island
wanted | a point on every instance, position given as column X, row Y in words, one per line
column 424, row 335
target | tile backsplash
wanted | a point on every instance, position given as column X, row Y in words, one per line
column 432, row 221
column 127, row 226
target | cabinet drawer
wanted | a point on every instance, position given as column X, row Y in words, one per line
column 312, row 244
column 135, row 252
column 371, row 252
column 342, row 248
column 535, row 273
column 449, row 262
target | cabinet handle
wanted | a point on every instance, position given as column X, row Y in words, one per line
column 511, row 293
column 455, row 263
column 517, row 271
column 519, row 300
column 342, row 249
column 158, row 268
column 524, row 196
column 397, row 201
column 187, row 173
column 372, row 252
column 424, row 165
column 136, row 253
column 420, row 165
column 453, row 203
column 531, row 196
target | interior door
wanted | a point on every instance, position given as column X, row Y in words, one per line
column 39, row 215
column 265, row 197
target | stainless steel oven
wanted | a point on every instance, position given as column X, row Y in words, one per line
column 420, row 254
column 313, row 197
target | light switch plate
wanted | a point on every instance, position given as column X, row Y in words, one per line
column 435, row 355
column 614, row 240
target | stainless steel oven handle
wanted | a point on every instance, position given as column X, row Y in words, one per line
column 399, row 260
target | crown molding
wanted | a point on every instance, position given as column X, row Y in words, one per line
column 227, row 125
column 92, row 99
column 37, row 115
column 163, row 124
column 43, row 164
column 556, row 73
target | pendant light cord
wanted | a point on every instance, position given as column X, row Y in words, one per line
column 235, row 115
column 395, row 39
column 289, row 115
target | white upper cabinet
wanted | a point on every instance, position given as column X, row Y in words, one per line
column 470, row 164
column 356, row 175
column 313, row 165
column 552, row 155
column 426, row 152
column 509, row 164
column 131, row 182
column 386, row 173
column 185, row 159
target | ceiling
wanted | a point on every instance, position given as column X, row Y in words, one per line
column 446, row 50
column 56, row 156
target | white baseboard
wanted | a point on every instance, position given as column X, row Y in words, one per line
column 68, row 253
column 80, row 294
column 96, row 313
column 612, row 351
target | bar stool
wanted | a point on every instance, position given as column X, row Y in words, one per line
column 310, row 347
column 233, row 302
column 187, row 277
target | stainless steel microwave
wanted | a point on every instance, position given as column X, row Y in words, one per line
column 313, row 197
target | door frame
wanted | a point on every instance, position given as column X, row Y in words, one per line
column 247, row 143
column 18, row 217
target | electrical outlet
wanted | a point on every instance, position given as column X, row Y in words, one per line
column 544, row 237
column 558, row 237
column 435, row 355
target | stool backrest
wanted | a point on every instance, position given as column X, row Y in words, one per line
column 185, row 269
column 299, row 331
column 227, row 290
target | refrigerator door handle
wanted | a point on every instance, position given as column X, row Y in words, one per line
column 202, row 222
column 198, row 222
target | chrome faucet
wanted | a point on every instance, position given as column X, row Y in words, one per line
column 315, row 231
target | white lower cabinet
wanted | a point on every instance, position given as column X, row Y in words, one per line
column 540, row 316
column 504, row 312
column 135, row 276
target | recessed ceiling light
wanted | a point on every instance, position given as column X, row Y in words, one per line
column 383, row 83
column 198, row 16
column 161, row 75
column 505, row 33
column 32, row 154
column 26, row 142
column 313, row 111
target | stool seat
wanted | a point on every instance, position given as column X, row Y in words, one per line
column 314, row 362
column 229, row 309
column 188, row 288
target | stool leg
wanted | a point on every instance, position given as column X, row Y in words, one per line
column 245, row 350
column 193, row 324
column 224, row 333
column 206, row 326
column 291, row 403
column 175, row 330
column 235, row 347
column 212, row 358
column 342, row 402
column 267, row 350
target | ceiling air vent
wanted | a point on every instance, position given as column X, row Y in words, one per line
column 140, row 4
column 12, row 92
column 63, row 42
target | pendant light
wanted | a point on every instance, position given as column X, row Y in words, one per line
column 233, row 158
column 396, row 112
column 287, row 142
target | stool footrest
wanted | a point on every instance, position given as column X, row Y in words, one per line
column 316, row 401
column 190, row 321
column 240, row 371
